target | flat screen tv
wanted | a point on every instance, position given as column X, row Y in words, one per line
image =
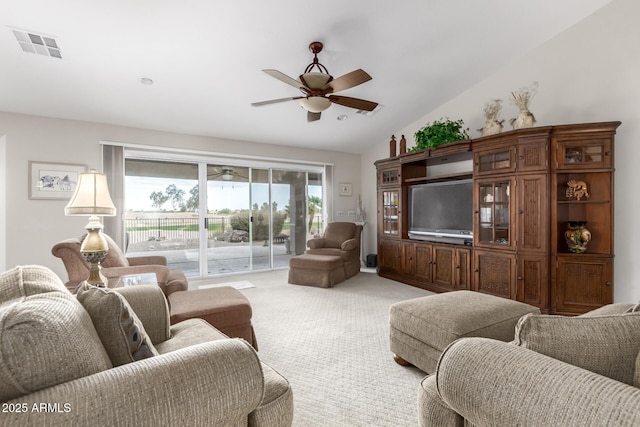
column 442, row 211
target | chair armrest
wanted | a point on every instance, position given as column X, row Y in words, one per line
column 147, row 260
column 491, row 382
column 160, row 270
column 316, row 243
column 150, row 305
column 157, row 391
column 350, row 244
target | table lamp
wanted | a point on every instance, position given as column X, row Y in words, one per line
column 91, row 198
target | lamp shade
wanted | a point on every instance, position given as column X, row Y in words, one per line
column 315, row 104
column 91, row 196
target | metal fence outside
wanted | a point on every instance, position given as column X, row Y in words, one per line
column 145, row 229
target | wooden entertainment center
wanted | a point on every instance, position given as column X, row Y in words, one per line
column 521, row 208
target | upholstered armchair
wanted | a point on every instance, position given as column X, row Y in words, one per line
column 116, row 265
column 341, row 239
column 558, row 371
column 111, row 357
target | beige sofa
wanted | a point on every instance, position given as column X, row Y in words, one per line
column 107, row 357
column 559, row 371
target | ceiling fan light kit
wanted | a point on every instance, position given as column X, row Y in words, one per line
column 318, row 87
column 315, row 104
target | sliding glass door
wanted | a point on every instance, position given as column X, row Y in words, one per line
column 213, row 218
column 161, row 212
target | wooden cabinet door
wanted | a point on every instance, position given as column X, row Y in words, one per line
column 582, row 283
column 443, row 266
column 389, row 177
column 587, row 153
column 422, row 253
column 463, row 269
column 389, row 256
column 533, row 279
column 493, row 213
column 532, row 156
column 389, row 212
column 494, row 272
column 532, row 222
column 489, row 162
column 407, row 259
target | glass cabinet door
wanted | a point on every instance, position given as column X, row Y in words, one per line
column 389, row 177
column 494, row 161
column 590, row 153
column 390, row 212
column 494, row 213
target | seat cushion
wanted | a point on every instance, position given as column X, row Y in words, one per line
column 47, row 337
column 440, row 319
column 316, row 262
column 225, row 308
column 118, row 327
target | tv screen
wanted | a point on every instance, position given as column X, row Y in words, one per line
column 445, row 207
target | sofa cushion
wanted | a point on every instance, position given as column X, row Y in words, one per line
column 120, row 330
column 605, row 344
column 47, row 337
column 636, row 375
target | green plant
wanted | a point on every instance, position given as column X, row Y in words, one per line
column 439, row 132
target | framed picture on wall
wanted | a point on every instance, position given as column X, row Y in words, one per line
column 54, row 181
column 345, row 189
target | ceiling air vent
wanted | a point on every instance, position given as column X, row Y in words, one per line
column 369, row 113
column 37, row 43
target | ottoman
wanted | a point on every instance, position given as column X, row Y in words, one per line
column 323, row 271
column 225, row 308
column 421, row 328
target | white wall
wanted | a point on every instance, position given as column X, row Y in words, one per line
column 34, row 226
column 3, row 204
column 588, row 73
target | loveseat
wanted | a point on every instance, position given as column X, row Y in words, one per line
column 111, row 357
column 558, row 371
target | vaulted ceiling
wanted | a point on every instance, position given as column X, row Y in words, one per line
column 205, row 59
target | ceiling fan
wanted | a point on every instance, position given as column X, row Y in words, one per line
column 318, row 87
column 226, row 173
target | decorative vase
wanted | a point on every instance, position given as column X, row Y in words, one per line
column 403, row 145
column 392, row 146
column 525, row 119
column 577, row 236
column 492, row 127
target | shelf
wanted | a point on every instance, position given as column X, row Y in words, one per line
column 582, row 202
column 447, row 177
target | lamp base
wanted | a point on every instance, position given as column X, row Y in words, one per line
column 96, row 278
column 94, row 250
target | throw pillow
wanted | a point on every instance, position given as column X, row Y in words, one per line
column 47, row 338
column 607, row 344
column 120, row 330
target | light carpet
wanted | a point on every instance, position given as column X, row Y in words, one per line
column 333, row 347
column 240, row 284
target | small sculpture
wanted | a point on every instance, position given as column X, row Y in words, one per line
column 361, row 215
column 576, row 190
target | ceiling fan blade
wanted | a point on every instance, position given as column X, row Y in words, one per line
column 312, row 117
column 275, row 101
column 347, row 81
column 286, row 79
column 359, row 104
